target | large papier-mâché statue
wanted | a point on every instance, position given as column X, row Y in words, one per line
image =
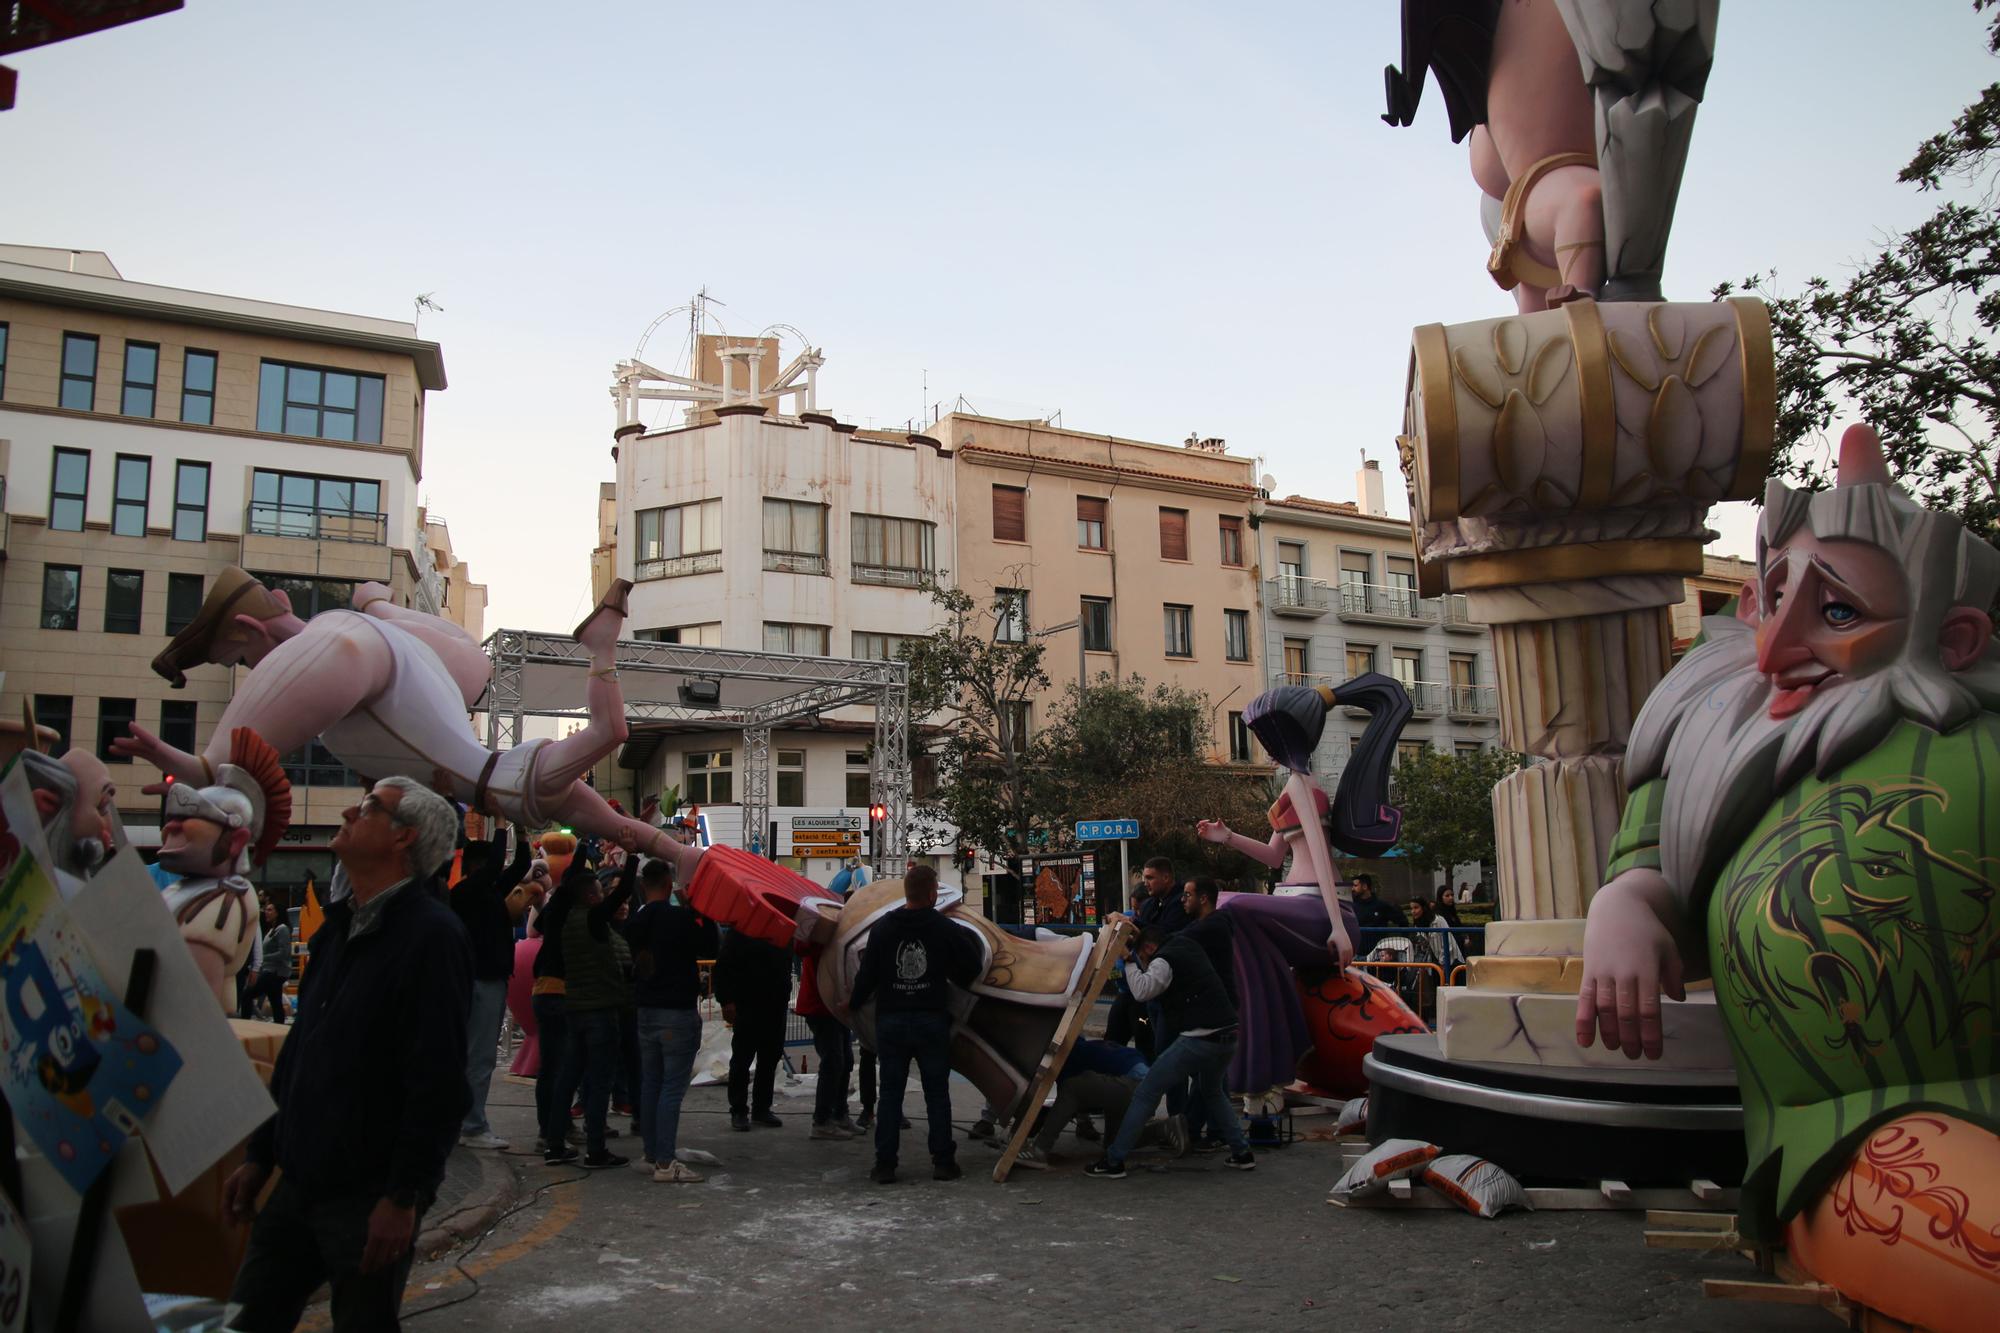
column 1814, row 821
column 1304, row 1011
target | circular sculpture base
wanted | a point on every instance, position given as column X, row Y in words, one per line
column 1643, row 1126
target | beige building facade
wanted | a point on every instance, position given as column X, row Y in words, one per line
column 1145, row 552
column 1722, row 577
column 150, row 437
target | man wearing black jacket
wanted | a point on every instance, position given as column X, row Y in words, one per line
column 480, row 898
column 914, row 956
column 1200, row 1017
column 753, row 984
column 1160, row 907
column 668, row 943
column 370, row 1085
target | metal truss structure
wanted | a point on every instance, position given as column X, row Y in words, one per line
column 545, row 675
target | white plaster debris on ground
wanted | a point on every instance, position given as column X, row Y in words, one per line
column 819, row 1225
column 564, row 1300
column 976, row 1280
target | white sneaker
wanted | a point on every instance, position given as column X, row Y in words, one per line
column 1031, row 1157
column 486, row 1140
column 829, row 1131
column 676, row 1173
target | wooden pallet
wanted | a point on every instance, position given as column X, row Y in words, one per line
column 1110, row 947
column 1782, row 1283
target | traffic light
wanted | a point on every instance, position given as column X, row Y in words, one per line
column 878, row 817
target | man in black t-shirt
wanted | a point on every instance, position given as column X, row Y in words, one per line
column 914, row 956
column 483, row 901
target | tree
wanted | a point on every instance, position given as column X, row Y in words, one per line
column 1447, row 803
column 1119, row 749
column 1907, row 340
column 972, row 679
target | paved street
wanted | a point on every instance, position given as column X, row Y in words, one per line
column 790, row 1233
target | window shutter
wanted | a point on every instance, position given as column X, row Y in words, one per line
column 1010, row 514
column 1173, row 534
column 1089, row 509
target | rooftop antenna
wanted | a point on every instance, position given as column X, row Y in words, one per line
column 422, row 303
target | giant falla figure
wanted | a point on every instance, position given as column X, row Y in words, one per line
column 1814, row 821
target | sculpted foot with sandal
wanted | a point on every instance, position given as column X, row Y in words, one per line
column 1814, row 821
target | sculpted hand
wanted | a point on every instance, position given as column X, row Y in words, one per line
column 1212, row 830
column 1629, row 957
column 140, row 743
column 1339, row 945
column 239, row 1192
column 390, row 1231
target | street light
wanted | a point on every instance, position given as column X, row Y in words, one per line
column 878, row 816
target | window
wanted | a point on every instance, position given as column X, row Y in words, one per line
column 1464, row 668
column 709, row 778
column 1236, row 635
column 310, row 596
column 313, row 765
column 1010, row 615
column 1407, row 667
column 791, row 777
column 131, row 486
column 61, row 587
column 1354, row 580
column 794, row 536
column 1406, row 751
column 298, row 504
column 901, row 552
column 177, row 724
column 1464, row 748
column 184, row 594
column 1013, row 720
column 114, row 718
column 1239, row 739
column 1360, row 661
column 1097, row 624
column 1010, row 514
column 124, row 591
column 677, row 540
column 79, row 372
column 1298, row 661
column 198, row 388
column 1180, row 630
column 1173, row 534
column 805, row 640
column 3, row 360
column 1090, row 523
column 142, row 377
column 707, row 635
column 1291, row 560
column 55, row 711
column 190, row 502
column 1232, row 540
column 873, row 647
column 857, row 778
column 69, row 486
column 1402, row 587
column 325, row 404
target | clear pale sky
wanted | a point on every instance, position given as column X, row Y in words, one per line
column 1159, row 218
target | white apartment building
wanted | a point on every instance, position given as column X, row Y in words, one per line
column 1340, row 600
column 151, row 436
column 755, row 528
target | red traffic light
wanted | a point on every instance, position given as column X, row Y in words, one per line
column 878, row 813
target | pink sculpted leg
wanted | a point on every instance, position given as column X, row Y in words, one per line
column 467, row 663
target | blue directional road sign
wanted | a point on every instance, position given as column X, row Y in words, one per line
column 1106, row 830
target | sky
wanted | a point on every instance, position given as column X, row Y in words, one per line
column 1159, row 219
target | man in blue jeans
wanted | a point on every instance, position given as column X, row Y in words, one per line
column 914, row 956
column 667, row 943
column 1201, row 1017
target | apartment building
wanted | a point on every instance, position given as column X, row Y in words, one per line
column 1340, row 600
column 1722, row 577
column 151, row 436
column 450, row 586
column 761, row 524
column 1135, row 558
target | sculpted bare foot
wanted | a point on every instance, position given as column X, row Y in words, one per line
column 367, row 594
column 599, row 630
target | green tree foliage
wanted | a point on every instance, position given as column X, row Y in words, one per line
column 1906, row 341
column 1447, row 802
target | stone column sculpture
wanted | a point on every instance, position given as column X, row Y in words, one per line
column 1561, row 465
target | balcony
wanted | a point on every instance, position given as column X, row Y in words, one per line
column 1455, row 614
column 1473, row 701
column 1385, row 604
column 263, row 519
column 677, row 566
column 1292, row 595
column 887, row 576
column 1427, row 698
column 795, row 562
column 1302, row 678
